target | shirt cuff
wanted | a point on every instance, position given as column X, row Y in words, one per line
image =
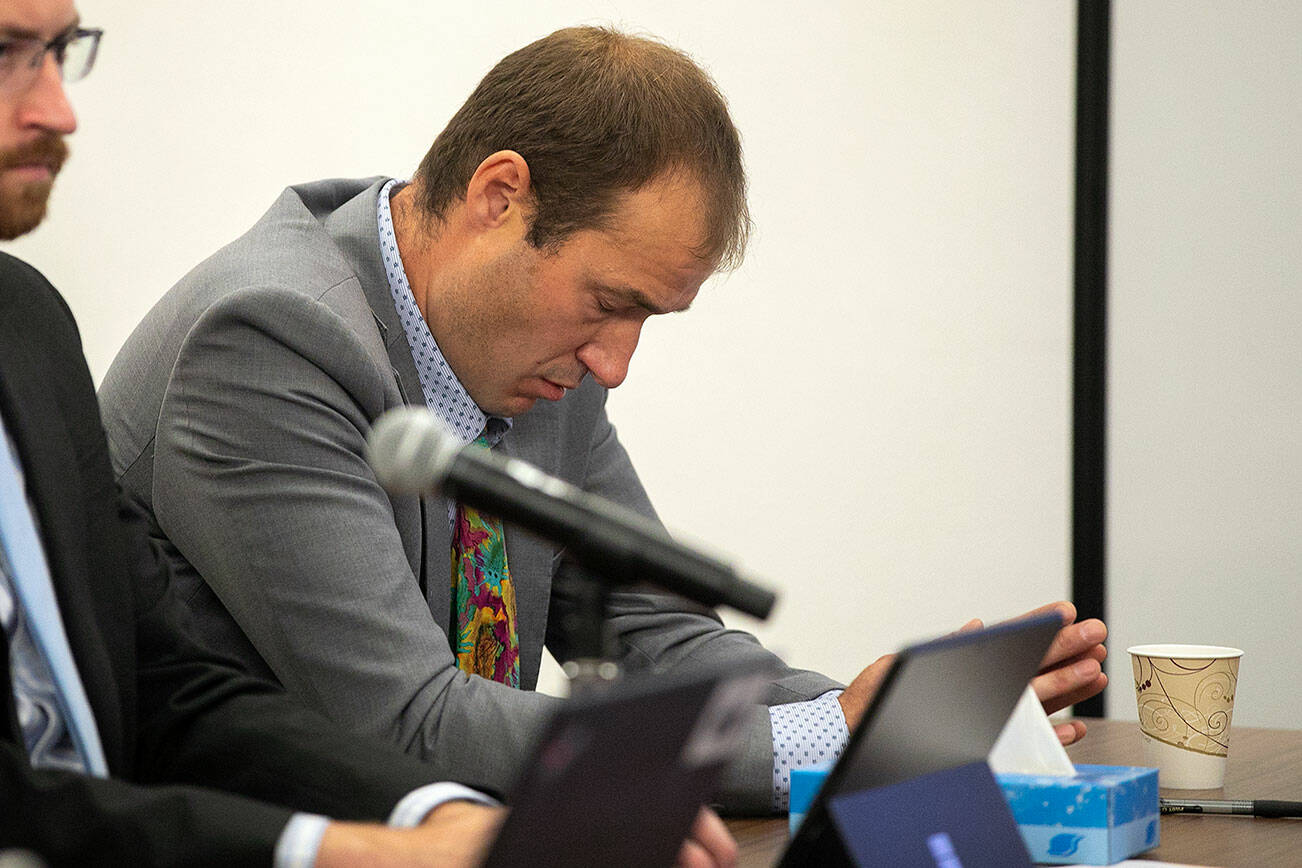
column 300, row 840
column 805, row 734
column 417, row 804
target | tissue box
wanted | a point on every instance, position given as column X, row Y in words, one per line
column 804, row 786
column 1100, row 815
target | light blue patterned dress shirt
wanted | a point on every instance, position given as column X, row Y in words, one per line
column 41, row 718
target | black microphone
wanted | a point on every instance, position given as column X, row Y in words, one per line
column 412, row 452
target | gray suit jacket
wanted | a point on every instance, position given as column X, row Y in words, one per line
column 237, row 414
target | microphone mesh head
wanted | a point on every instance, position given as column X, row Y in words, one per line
column 410, row 450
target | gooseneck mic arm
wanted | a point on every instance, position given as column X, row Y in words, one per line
column 412, row 452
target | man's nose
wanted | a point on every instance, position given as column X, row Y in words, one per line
column 45, row 105
column 608, row 354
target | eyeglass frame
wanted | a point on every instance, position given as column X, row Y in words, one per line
column 13, row 82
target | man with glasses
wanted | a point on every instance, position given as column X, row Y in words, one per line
column 27, row 171
column 127, row 742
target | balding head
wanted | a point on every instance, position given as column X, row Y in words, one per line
column 596, row 114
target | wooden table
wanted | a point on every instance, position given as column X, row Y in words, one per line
column 1263, row 764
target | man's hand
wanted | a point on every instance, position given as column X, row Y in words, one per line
column 458, row 834
column 454, row 835
column 855, row 698
column 1070, row 672
column 710, row 845
column 1073, row 668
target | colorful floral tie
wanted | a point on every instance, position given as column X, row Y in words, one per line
column 483, row 598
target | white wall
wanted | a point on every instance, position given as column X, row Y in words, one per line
column 872, row 413
column 1206, row 359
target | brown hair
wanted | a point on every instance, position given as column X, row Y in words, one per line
column 596, row 114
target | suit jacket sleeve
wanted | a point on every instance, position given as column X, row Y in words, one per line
column 261, row 481
column 655, row 629
column 207, row 763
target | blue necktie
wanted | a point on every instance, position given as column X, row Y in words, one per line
column 30, row 577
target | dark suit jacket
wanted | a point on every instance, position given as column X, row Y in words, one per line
column 178, row 722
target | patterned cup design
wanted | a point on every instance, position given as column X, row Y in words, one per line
column 1187, row 702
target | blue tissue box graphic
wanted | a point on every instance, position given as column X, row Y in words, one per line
column 1100, row 815
column 804, row 786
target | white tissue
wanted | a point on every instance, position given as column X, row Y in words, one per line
column 1028, row 745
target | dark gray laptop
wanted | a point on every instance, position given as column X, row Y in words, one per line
column 940, row 707
column 618, row 777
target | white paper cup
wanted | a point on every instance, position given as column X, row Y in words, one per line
column 1185, row 695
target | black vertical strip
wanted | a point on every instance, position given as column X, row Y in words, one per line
column 1089, row 361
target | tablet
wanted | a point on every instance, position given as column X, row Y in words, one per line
column 619, row 776
column 941, row 705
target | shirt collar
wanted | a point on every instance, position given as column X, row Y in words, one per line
column 443, row 392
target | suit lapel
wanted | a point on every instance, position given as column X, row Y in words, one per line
column 354, row 229
column 54, row 483
column 533, row 437
column 355, row 232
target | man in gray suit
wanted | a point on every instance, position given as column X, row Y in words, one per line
column 590, row 181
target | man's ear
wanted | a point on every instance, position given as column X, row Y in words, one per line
column 498, row 191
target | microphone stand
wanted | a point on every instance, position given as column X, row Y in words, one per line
column 591, row 669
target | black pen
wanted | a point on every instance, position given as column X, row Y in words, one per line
column 1242, row 807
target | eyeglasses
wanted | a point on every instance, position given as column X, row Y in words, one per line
column 20, row 59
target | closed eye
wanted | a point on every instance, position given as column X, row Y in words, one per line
column 603, row 301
